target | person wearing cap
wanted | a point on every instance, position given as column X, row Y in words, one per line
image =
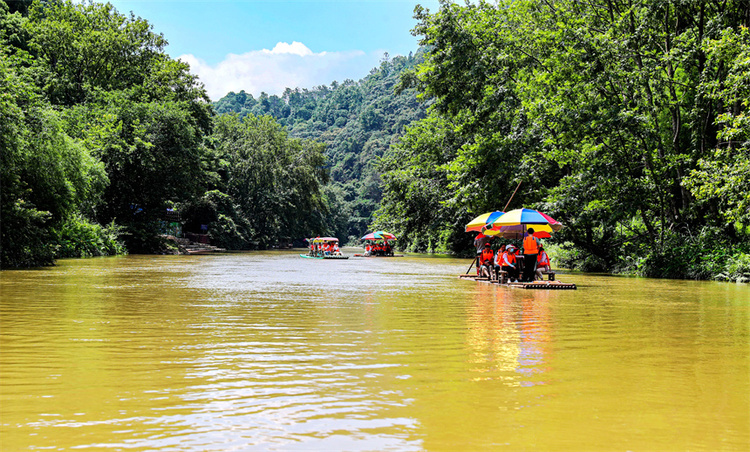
column 479, row 243
column 542, row 263
column 530, row 252
column 509, row 263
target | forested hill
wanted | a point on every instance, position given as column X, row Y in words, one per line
column 357, row 121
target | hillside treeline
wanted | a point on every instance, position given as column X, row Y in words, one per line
column 626, row 121
column 357, row 122
column 101, row 133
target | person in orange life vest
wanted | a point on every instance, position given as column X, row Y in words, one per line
column 542, row 263
column 485, row 259
column 336, row 250
column 530, row 252
column 479, row 243
column 499, row 260
column 327, row 249
column 508, row 263
column 368, row 249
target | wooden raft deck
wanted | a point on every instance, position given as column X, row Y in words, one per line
column 362, row 255
column 548, row 285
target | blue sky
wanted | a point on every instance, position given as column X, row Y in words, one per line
column 267, row 46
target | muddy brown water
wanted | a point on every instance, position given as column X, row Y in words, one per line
column 269, row 351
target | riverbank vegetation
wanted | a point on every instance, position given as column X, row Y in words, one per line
column 102, row 132
column 625, row 122
column 357, row 122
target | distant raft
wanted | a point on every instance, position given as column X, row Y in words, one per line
column 324, row 248
column 307, row 256
column 375, row 255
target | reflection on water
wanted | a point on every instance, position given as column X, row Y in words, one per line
column 269, row 351
column 510, row 335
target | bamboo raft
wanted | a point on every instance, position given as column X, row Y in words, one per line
column 547, row 285
column 372, row 255
column 307, row 256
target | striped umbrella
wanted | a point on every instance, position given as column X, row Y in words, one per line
column 379, row 235
column 524, row 217
column 480, row 222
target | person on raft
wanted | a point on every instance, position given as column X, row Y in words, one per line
column 499, row 261
column 485, row 261
column 509, row 263
column 530, row 251
column 542, row 263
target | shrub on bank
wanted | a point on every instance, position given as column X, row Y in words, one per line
column 703, row 256
column 78, row 237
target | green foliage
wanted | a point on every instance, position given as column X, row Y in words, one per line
column 118, row 125
column 78, row 237
column 625, row 121
column 600, row 110
column 45, row 175
column 273, row 181
column 723, row 178
column 357, row 121
column 228, row 227
column 736, row 268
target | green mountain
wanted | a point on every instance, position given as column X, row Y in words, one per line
column 357, row 121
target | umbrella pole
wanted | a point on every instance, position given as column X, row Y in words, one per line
column 472, row 264
column 511, row 196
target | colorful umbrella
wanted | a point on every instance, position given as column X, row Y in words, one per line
column 517, row 231
column 323, row 239
column 524, row 217
column 379, row 235
column 480, row 222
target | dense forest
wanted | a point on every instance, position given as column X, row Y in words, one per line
column 357, row 121
column 102, row 132
column 625, row 121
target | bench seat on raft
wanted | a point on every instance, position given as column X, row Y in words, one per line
column 502, row 276
column 550, row 275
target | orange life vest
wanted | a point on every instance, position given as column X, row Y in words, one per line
column 510, row 257
column 542, row 259
column 530, row 245
column 487, row 255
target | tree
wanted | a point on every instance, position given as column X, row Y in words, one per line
column 273, row 181
column 722, row 178
column 600, row 109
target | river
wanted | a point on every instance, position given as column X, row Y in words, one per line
column 269, row 351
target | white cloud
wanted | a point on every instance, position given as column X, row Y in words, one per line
column 285, row 66
column 295, row 48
